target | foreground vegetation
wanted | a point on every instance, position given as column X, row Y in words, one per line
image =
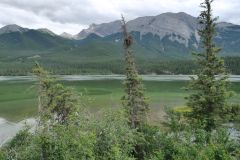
column 81, row 135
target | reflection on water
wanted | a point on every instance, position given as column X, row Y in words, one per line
column 9, row 129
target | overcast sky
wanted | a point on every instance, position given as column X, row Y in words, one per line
column 74, row 15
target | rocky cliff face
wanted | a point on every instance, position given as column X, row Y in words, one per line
column 101, row 30
column 176, row 27
column 180, row 27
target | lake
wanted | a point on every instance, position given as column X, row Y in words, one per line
column 18, row 94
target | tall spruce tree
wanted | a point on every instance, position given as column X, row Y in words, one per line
column 134, row 101
column 209, row 88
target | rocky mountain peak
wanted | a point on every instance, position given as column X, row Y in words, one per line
column 101, row 30
column 180, row 24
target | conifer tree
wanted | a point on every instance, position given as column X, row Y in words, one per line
column 209, row 88
column 134, row 101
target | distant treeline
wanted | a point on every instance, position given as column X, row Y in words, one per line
column 147, row 66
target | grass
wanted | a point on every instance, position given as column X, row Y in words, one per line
column 18, row 99
column 182, row 109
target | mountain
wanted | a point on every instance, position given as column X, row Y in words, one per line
column 178, row 27
column 167, row 32
column 228, row 38
column 162, row 25
column 165, row 37
column 14, row 37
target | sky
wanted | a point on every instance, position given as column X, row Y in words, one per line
column 72, row 16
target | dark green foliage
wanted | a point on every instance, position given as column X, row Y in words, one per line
column 209, row 92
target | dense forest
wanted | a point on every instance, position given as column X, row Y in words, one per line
column 147, row 66
column 65, row 130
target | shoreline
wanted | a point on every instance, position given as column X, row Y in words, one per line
column 232, row 78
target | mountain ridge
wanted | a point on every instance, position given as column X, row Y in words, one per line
column 168, row 34
column 164, row 24
column 166, row 27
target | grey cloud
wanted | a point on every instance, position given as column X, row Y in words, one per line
column 63, row 11
column 74, row 15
